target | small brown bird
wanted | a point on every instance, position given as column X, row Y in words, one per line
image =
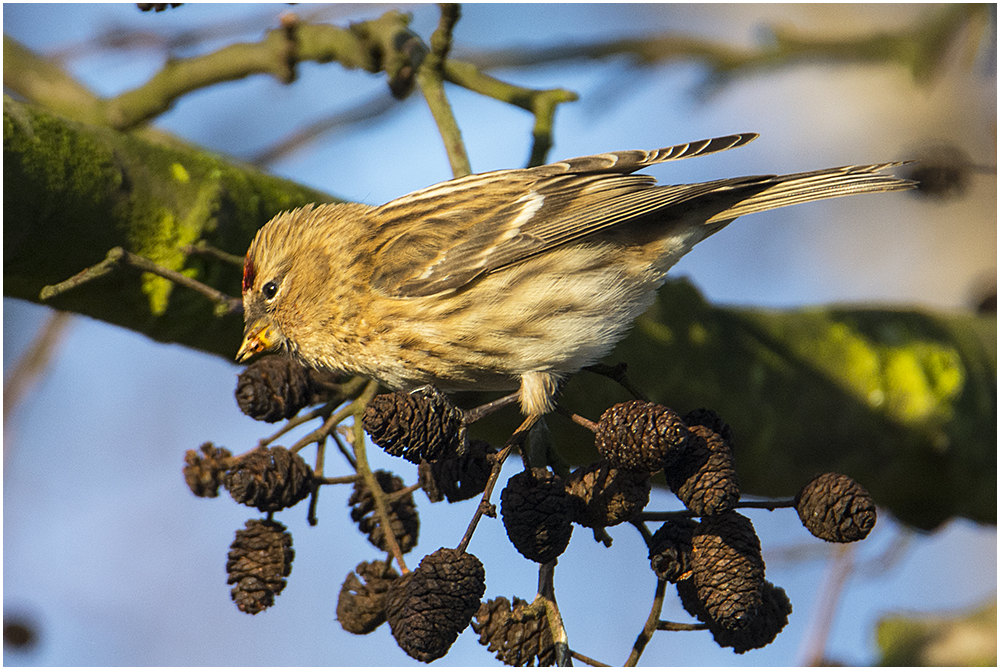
column 502, row 278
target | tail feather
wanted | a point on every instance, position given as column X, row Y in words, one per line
column 798, row 188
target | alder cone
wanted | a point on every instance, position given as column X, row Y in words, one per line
column 607, row 496
column 419, row 425
column 836, row 508
column 204, row 472
column 361, row 605
column 670, row 549
column 727, row 569
column 518, row 635
column 429, row 607
column 703, row 476
column 403, row 517
column 640, row 435
column 269, row 479
column 259, row 560
column 537, row 514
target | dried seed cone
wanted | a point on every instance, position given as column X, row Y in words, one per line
column 259, row 560
column 361, row 605
column 670, row 550
column 639, row 435
column 607, row 496
column 419, row 425
column 402, row 513
column 727, row 569
column 763, row 627
column 269, row 479
column 458, row 478
column 704, row 477
column 537, row 514
column 277, row 387
column 836, row 508
column 709, row 419
column 429, row 607
column 204, row 472
column 771, row 618
column 518, row 636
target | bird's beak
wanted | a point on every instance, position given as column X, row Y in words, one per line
column 259, row 337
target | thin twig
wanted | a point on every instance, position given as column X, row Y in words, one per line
column 203, row 248
column 346, row 479
column 652, row 621
column 641, row 527
column 311, row 517
column 770, row 505
column 484, row 504
column 541, row 103
column 577, row 419
column 327, row 427
column 344, row 450
column 430, row 78
column 477, row 413
column 547, row 593
column 298, row 420
column 675, row 626
column 119, row 257
column 588, row 660
column 406, row 490
column 378, row 495
column 379, row 106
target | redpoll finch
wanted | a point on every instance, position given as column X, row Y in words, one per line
column 503, row 278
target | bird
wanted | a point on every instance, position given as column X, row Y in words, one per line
column 505, row 280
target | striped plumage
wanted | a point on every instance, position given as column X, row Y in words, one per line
column 507, row 277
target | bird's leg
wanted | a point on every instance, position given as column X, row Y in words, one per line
column 477, row 413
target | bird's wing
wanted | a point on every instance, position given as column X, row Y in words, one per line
column 440, row 238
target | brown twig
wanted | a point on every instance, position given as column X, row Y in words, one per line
column 652, row 621
column 365, row 471
column 346, row 479
column 203, row 248
column 406, row 490
column 119, row 257
column 477, row 413
column 366, row 112
column 430, row 78
column 674, row 626
column 541, row 103
column 770, row 505
column 327, row 427
column 588, row 660
column 577, row 419
column 298, row 420
column 484, row 504
column 547, row 594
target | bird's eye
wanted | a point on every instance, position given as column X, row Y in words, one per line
column 270, row 289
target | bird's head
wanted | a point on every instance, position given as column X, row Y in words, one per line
column 262, row 304
column 286, row 282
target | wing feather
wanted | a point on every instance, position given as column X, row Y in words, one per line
column 442, row 237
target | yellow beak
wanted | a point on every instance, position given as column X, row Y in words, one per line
column 260, row 337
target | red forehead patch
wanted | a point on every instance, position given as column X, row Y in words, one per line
column 249, row 272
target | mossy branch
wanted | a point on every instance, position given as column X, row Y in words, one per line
column 74, row 191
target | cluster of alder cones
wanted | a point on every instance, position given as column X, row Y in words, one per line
column 709, row 551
